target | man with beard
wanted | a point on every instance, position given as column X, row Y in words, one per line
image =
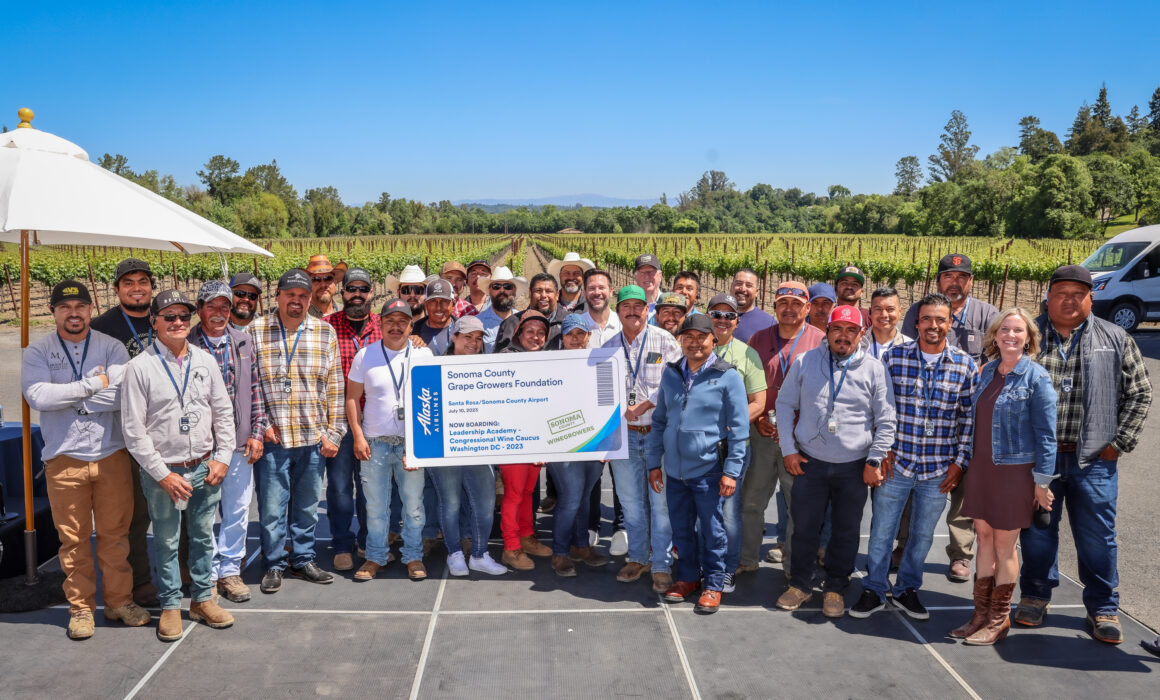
column 325, row 279
column 503, row 288
column 822, row 300
column 688, row 284
column 73, row 377
column 234, row 352
column 670, row 312
column 648, row 276
column 301, row 374
column 454, row 272
column 603, row 323
column 752, row 318
column 478, row 270
column 411, row 287
column 970, row 319
column 435, row 328
column 247, row 290
column 128, row 322
column 356, row 328
column 848, row 286
column 570, row 272
column 543, row 300
column 845, row 425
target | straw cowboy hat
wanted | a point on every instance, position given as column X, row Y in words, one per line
column 555, row 266
column 503, row 274
column 412, row 274
column 320, row 265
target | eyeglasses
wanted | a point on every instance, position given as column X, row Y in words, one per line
column 506, row 286
column 412, row 289
column 725, row 315
column 170, row 318
column 792, row 292
column 353, row 289
column 242, row 294
column 326, row 279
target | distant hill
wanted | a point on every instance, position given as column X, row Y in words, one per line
column 597, row 201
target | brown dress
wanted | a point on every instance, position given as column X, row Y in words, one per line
column 1003, row 495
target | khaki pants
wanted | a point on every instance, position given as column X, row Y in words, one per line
column 766, row 471
column 79, row 494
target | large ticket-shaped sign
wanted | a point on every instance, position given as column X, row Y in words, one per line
column 509, row 408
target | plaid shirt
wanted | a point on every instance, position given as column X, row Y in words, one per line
column 1132, row 410
column 225, row 359
column 655, row 348
column 947, row 409
column 464, row 307
column 349, row 342
column 314, row 408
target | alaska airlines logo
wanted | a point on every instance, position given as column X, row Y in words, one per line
column 424, row 415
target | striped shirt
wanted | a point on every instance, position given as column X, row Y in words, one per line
column 648, row 353
column 314, row 407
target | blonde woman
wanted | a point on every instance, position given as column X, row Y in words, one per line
column 1011, row 468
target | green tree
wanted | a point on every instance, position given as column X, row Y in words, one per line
column 219, row 175
column 1036, row 142
column 685, row 225
column 1154, row 113
column 1137, row 124
column 117, row 164
column 955, row 150
column 1111, row 191
column 838, row 192
column 1144, row 174
column 1054, row 201
column 908, row 173
column 262, row 215
column 1102, row 110
column 269, row 178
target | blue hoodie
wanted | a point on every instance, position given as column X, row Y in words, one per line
column 689, row 425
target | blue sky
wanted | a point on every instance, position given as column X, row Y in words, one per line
column 521, row 100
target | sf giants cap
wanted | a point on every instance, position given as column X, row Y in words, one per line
column 69, row 290
column 955, row 262
column 846, row 314
column 396, row 306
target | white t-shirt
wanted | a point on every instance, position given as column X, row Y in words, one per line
column 599, row 336
column 369, row 368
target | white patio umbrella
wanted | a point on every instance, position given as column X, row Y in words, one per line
column 52, row 194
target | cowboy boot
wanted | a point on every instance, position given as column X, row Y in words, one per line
column 983, row 588
column 1000, row 621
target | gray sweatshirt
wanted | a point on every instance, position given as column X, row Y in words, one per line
column 864, row 408
column 78, row 418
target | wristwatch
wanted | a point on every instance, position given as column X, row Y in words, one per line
column 874, row 462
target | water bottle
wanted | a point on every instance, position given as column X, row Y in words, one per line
column 183, row 502
column 772, row 415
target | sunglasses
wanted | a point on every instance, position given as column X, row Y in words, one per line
column 242, row 294
column 170, row 318
column 412, row 289
column 327, row 279
column 506, row 286
column 726, row 315
column 792, row 292
column 353, row 289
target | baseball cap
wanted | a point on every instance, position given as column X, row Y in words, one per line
column 294, row 278
column 131, row 265
column 475, row 263
column 396, row 306
column 673, row 299
column 356, row 274
column 467, row 324
column 821, row 290
column 792, row 290
column 851, row 271
column 69, row 290
column 698, row 322
column 646, row 260
column 245, row 278
column 168, row 298
column 212, row 290
column 723, row 298
column 440, row 289
column 955, row 262
column 630, row 291
column 1072, row 273
column 574, row 321
column 846, row 314
column 531, row 315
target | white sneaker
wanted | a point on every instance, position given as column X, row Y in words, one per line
column 486, row 565
column 593, row 537
column 456, row 566
column 619, row 546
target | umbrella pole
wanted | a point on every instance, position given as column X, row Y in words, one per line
column 30, row 575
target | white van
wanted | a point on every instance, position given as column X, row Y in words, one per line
column 1126, row 277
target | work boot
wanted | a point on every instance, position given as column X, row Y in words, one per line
column 367, row 571
column 343, row 561
column 589, row 556
column 234, row 589
column 661, row 581
column 983, row 588
column 999, row 621
column 534, row 547
column 130, row 613
column 212, row 614
column 793, row 598
column 1105, row 628
column 169, row 626
column 516, row 559
column 631, row 571
column 563, row 566
column 81, row 625
column 145, row 595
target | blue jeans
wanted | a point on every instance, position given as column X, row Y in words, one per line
column 430, row 511
column 288, row 478
column 731, row 509
column 822, row 485
column 889, row 501
column 646, row 512
column 694, row 502
column 573, row 482
column 385, row 465
column 199, row 515
column 344, row 500
column 1090, row 498
column 455, row 486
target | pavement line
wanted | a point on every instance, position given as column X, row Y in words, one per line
column 696, row 694
column 157, row 665
column 937, row 656
column 427, row 640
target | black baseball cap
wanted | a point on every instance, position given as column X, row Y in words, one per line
column 697, row 322
column 295, row 278
column 646, row 260
column 356, row 274
column 440, row 289
column 723, row 298
column 131, row 265
column 245, row 278
column 1072, row 273
column 396, row 306
column 474, row 263
column 69, row 290
column 954, row 262
column 168, row 298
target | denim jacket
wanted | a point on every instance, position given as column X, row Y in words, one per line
column 1023, row 423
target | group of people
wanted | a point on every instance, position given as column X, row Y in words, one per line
column 821, row 405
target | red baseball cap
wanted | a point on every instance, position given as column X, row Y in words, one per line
column 846, row 314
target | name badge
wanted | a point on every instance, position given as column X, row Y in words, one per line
column 632, row 398
column 928, row 429
column 287, row 385
column 970, row 337
column 1066, row 385
column 832, row 425
column 399, row 413
column 184, row 424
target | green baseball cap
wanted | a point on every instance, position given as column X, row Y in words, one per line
column 630, row 291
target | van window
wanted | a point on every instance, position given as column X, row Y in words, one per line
column 1113, row 256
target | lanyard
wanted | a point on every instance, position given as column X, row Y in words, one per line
column 962, row 318
column 634, row 369
column 835, row 390
column 68, row 356
column 1072, row 341
column 887, row 346
column 210, row 348
column 402, row 379
column 133, row 330
column 185, row 384
column 289, row 353
column 785, row 361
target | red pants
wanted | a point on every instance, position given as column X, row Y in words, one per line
column 519, row 481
